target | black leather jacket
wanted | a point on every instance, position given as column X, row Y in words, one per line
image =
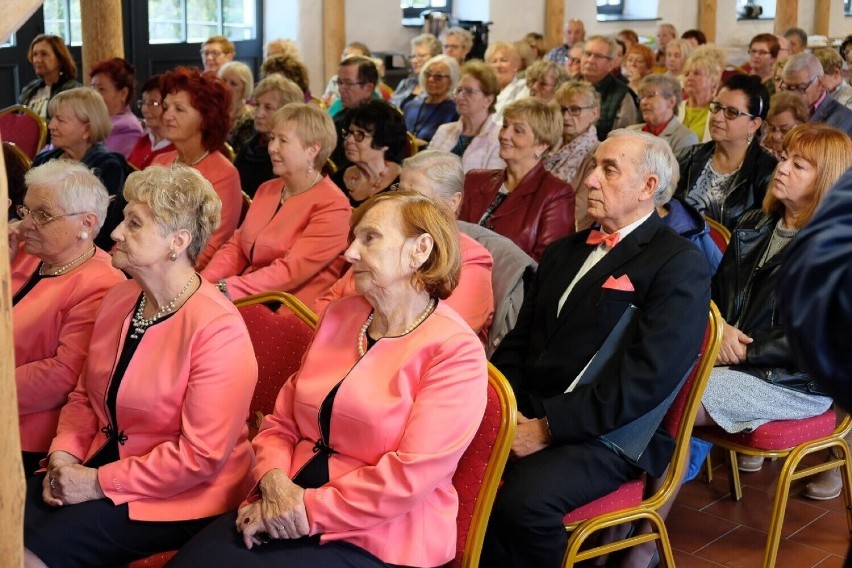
column 746, row 188
column 745, row 295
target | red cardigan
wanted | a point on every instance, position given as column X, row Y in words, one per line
column 536, row 213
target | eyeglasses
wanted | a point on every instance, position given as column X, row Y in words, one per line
column 418, row 56
column 730, row 113
column 466, row 91
column 451, row 46
column 772, row 130
column 575, row 110
column 651, row 95
column 210, row 53
column 540, row 83
column 761, row 52
column 573, row 60
column 349, row 84
column 156, row 104
column 358, row 135
column 595, row 55
column 436, row 76
column 41, row 218
column 798, row 88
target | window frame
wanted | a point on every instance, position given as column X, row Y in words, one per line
column 410, row 14
column 609, row 9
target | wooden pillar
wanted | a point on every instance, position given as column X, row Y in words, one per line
column 334, row 34
column 554, row 17
column 707, row 19
column 822, row 17
column 103, row 36
column 786, row 15
column 11, row 468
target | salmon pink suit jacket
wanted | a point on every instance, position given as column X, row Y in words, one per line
column 219, row 171
column 293, row 246
column 182, row 405
column 403, row 415
column 52, row 327
column 473, row 297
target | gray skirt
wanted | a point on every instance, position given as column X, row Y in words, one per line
column 739, row 402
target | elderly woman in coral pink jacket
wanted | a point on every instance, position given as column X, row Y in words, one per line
column 297, row 226
column 355, row 464
column 440, row 175
column 59, row 278
column 153, row 442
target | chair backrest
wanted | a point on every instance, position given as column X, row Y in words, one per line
column 329, row 168
column 410, row 145
column 281, row 328
column 25, row 128
column 680, row 417
column 17, row 165
column 481, row 468
column 719, row 233
column 244, row 208
column 513, row 271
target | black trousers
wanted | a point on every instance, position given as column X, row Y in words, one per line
column 221, row 545
column 96, row 533
column 526, row 526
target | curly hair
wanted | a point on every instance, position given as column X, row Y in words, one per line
column 385, row 123
column 289, row 67
column 209, row 96
column 120, row 71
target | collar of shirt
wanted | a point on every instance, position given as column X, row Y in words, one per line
column 815, row 106
column 656, row 130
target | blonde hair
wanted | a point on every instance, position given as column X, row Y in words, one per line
column 243, row 73
column 419, row 215
column 505, row 46
column 287, row 90
column 312, row 125
column 544, row 119
column 179, row 198
column 576, row 88
column 88, row 107
column 827, row 149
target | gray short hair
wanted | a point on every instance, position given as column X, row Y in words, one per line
column 443, row 169
column 429, row 40
column 657, row 159
column 75, row 186
column 465, row 36
column 804, row 62
column 179, row 198
column 668, row 84
column 451, row 64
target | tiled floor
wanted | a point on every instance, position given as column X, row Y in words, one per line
column 709, row 529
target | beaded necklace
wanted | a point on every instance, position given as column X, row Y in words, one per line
column 362, row 335
column 67, row 266
column 140, row 323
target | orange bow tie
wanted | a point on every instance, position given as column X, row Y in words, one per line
column 597, row 237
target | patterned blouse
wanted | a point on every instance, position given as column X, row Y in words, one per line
column 565, row 162
column 709, row 191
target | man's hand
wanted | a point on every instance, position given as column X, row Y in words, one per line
column 531, row 436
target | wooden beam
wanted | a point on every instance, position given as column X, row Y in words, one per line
column 103, row 35
column 554, row 17
column 786, row 15
column 15, row 14
column 334, row 34
column 822, row 17
column 11, row 469
column 707, row 18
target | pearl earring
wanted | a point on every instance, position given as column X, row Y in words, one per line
column 84, row 235
column 173, row 256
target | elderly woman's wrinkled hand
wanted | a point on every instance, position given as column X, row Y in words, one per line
column 55, row 461
column 250, row 524
column 74, row 483
column 283, row 506
column 734, row 346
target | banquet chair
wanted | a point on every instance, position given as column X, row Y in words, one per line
column 25, row 128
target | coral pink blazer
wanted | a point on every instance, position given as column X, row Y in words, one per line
column 292, row 247
column 473, row 298
column 52, row 327
column 402, row 418
column 218, row 170
column 182, row 404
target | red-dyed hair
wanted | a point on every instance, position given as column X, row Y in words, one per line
column 120, row 71
column 209, row 96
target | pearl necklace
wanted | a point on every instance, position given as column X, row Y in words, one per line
column 284, row 195
column 198, row 161
column 140, row 323
column 362, row 335
column 68, row 266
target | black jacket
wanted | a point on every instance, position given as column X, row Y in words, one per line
column 253, row 164
column 746, row 188
column 33, row 86
column 745, row 295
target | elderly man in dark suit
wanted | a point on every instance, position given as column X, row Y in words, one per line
column 803, row 73
column 565, row 447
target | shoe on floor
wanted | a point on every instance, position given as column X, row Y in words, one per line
column 749, row 464
column 824, row 486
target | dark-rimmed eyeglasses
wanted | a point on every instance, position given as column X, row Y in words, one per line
column 730, row 113
column 155, row 104
column 41, row 218
column 466, row 91
column 575, row 110
column 349, row 84
column 797, row 88
column 211, row 53
column 358, row 135
column 761, row 52
column 436, row 76
column 595, row 55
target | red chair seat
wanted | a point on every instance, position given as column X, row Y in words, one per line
column 778, row 435
column 628, row 495
column 155, row 561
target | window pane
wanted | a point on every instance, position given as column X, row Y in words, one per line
column 165, row 21
column 238, row 19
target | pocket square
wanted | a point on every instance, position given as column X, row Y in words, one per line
column 622, row 283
